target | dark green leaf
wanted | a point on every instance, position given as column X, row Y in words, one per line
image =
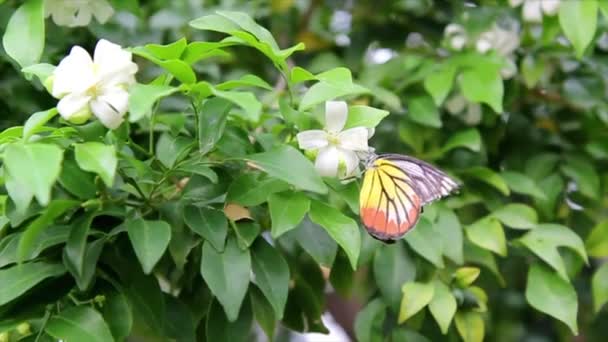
column 212, row 121
column 263, row 312
column 393, row 267
column 315, row 241
column 423, row 240
column 220, row 329
column 469, row 138
column 97, row 158
column 171, row 149
column 287, row 209
column 249, row 189
column 211, row 224
column 271, row 275
column 18, row 279
column 149, row 239
column 450, row 232
column 118, row 315
column 369, row 322
column 79, row 323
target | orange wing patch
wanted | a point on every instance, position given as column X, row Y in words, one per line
column 389, row 206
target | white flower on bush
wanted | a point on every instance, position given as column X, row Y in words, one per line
column 504, row 42
column 456, row 36
column 336, row 148
column 98, row 86
column 74, row 13
column 533, row 10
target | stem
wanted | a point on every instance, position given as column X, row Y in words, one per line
column 196, row 121
column 47, row 316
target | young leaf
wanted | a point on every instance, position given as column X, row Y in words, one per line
column 443, row 306
column 18, row 279
column 271, row 275
column 98, row 158
column 415, row 297
column 548, row 292
column 470, row 326
column 79, row 323
column 341, row 228
column 488, row 233
column 23, row 39
column 35, row 122
column 364, row 116
column 227, row 275
column 149, row 239
column 142, row 98
column 287, row 209
column 517, row 215
column 393, row 267
column 599, row 287
column 597, row 241
column 578, row 20
column 287, row 164
column 211, row 224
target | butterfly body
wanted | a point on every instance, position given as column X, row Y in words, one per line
column 395, row 188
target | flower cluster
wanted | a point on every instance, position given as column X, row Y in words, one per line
column 74, row 13
column 335, row 148
column 533, row 10
column 97, row 86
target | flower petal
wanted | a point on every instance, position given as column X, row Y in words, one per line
column 515, row 3
column 115, row 65
column 351, row 160
column 354, row 139
column 532, row 11
column 327, row 161
column 335, row 115
column 550, row 7
column 72, row 104
column 74, row 73
column 82, row 16
column 312, row 139
column 102, row 10
column 111, row 107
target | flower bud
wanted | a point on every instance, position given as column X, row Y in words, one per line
column 24, row 329
column 48, row 83
column 81, row 117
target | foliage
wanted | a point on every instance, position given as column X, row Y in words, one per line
column 199, row 217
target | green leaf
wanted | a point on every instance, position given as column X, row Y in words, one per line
column 597, row 241
column 98, row 158
column 465, row 276
column 287, row 209
column 181, row 70
column 271, row 275
column 227, row 275
column 246, row 233
column 315, row 241
column 90, row 257
column 23, row 39
column 249, row 189
column 522, row 184
column 517, row 215
column 248, row 80
column 341, row 228
column 170, row 149
column 549, row 293
column 332, row 84
column 35, row 122
column 415, row 297
column 341, row 275
column 287, row 164
column 423, row 110
column 79, row 323
column 246, row 100
column 18, row 279
column 75, row 247
column 118, row 314
column 142, row 98
column 532, row 70
column 599, row 287
column 40, row 70
column 35, row 166
column 220, row 329
column 50, row 236
column 483, row 83
column 443, row 306
column 488, row 176
column 450, row 233
column 470, row 326
column 423, row 240
column 169, row 51
column 468, row 138
column 369, row 322
column 263, row 312
column 211, row 224
column 578, row 20
column 546, row 238
column 211, row 123
column 585, row 176
column 393, row 267
column 488, row 233
column 77, row 182
column 364, row 116
column 150, row 239
column 439, row 83
column 479, row 256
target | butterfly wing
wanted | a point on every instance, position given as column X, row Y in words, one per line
column 394, row 189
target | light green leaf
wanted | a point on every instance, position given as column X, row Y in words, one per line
column 488, row 176
column 517, row 215
column 393, row 267
column 415, row 297
column 364, row 116
column 341, row 228
column 483, row 83
column 423, row 239
column 470, row 326
column 479, row 256
column 439, row 83
column 248, row 80
column 142, row 98
column 599, row 287
column 450, row 232
column 35, row 166
column 98, row 158
column 532, row 70
column 468, row 138
column 287, row 209
column 18, row 279
column 443, row 306
column 209, row 223
column 170, row 149
column 79, row 323
column 227, row 275
column 35, row 122
column 465, row 276
column 271, row 275
column 578, row 20
column 332, row 84
column 522, row 184
column 178, row 68
column 287, row 164
column 549, row 293
column 150, row 239
column 597, row 241
column 488, row 233
column 169, row 51
column 40, row 70
column 369, row 322
column 23, row 39
column 423, row 110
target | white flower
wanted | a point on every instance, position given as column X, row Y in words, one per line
column 504, row 42
column 533, row 9
column 74, row 13
column 97, row 85
column 456, row 36
column 334, row 145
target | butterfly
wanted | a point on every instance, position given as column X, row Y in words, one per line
column 395, row 187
